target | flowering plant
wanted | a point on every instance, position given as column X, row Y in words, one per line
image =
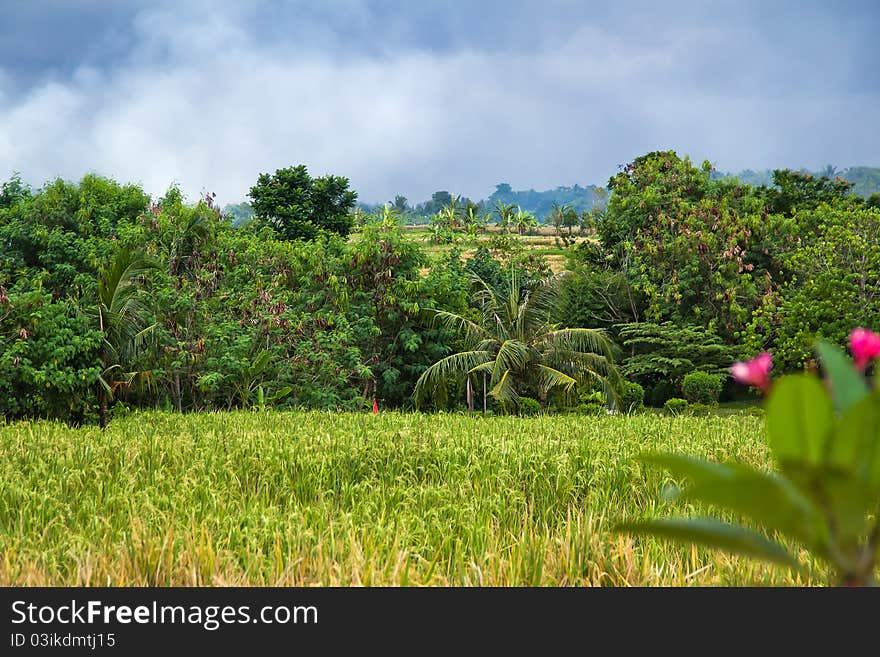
column 825, row 437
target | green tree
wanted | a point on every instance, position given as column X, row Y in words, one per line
column 400, row 204
column 514, row 349
column 524, row 221
column 832, row 285
column 700, row 251
column 658, row 356
column 298, row 206
column 121, row 317
column 798, row 191
column 504, row 215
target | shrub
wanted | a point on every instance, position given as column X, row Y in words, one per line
column 591, row 408
column 528, row 406
column 660, row 393
column 675, row 406
column 702, row 388
column 699, row 409
column 632, row 397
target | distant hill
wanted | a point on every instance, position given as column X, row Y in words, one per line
column 239, row 213
column 866, row 181
column 541, row 203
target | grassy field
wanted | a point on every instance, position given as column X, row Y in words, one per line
column 539, row 241
column 355, row 499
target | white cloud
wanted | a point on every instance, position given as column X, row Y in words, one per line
column 203, row 102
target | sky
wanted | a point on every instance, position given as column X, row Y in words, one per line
column 410, row 97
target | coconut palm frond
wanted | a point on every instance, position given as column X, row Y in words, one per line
column 488, row 344
column 544, row 297
column 119, row 285
column 503, row 391
column 434, row 379
column 552, row 378
column 465, row 328
column 581, row 340
column 512, row 355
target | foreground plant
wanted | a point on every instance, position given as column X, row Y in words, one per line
column 826, row 441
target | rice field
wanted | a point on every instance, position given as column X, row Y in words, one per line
column 311, row 498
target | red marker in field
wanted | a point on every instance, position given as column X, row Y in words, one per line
column 375, row 407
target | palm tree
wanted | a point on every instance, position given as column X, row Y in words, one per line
column 121, row 317
column 505, row 214
column 513, row 349
column 524, row 220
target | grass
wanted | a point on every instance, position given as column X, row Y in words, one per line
column 353, row 499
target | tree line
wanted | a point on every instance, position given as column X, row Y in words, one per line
column 111, row 300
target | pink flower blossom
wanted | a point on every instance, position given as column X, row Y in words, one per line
column 754, row 372
column 865, row 347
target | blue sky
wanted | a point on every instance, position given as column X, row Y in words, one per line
column 411, row 97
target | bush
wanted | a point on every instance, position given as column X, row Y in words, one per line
column 702, row 388
column 660, row 393
column 591, row 408
column 700, row 409
column 527, row 406
column 675, row 406
column 632, row 397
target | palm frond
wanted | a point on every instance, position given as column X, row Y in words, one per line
column 434, row 380
column 512, row 355
column 544, row 298
column 553, row 378
column 580, row 340
column 462, row 326
column 503, row 391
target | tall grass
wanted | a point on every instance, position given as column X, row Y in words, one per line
column 351, row 499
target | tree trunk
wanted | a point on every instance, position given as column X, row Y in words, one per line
column 102, row 407
column 178, row 393
column 470, row 395
column 484, row 392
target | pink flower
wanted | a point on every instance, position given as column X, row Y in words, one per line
column 865, row 347
column 755, row 372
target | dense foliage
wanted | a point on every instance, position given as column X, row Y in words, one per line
column 110, row 299
column 298, row 206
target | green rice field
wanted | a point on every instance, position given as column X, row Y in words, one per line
column 312, row 498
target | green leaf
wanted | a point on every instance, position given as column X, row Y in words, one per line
column 845, row 500
column 799, row 418
column 855, row 442
column 771, row 501
column 281, row 393
column 716, row 534
column 847, row 385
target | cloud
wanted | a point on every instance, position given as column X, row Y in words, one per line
column 211, row 94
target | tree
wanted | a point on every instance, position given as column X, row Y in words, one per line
column 524, row 220
column 504, row 214
column 797, row 191
column 834, row 284
column 564, row 216
column 121, row 317
column 700, row 251
column 515, row 350
column 658, row 356
column 400, row 204
column 298, row 206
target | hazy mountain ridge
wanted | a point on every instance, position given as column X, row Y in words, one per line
column 866, row 181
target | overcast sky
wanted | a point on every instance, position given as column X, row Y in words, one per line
column 414, row 96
